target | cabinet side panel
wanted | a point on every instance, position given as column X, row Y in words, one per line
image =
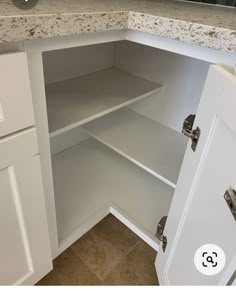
column 40, row 113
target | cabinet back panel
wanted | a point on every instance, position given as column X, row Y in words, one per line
column 182, row 77
column 67, row 140
column 69, row 63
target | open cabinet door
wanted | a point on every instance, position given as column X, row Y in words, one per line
column 199, row 213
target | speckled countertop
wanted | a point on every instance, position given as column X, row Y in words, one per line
column 204, row 25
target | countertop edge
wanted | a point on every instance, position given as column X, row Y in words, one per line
column 29, row 27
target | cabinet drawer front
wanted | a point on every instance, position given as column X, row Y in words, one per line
column 18, row 146
column 16, row 108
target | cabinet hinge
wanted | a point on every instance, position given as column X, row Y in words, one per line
column 194, row 134
column 160, row 232
column 230, row 198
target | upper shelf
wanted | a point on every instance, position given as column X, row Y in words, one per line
column 76, row 101
column 147, row 143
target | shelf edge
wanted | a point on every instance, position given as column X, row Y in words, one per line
column 137, row 163
column 100, row 114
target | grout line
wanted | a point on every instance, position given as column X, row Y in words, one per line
column 119, row 261
column 77, row 255
column 122, row 258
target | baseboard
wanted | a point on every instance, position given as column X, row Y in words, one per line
column 97, row 217
column 132, row 225
column 85, row 227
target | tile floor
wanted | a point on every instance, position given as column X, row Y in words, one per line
column 109, row 254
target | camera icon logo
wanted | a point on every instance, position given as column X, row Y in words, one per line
column 209, row 259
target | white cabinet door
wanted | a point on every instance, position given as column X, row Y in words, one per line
column 199, row 214
column 24, row 246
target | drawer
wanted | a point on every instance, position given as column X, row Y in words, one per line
column 16, row 108
column 18, row 146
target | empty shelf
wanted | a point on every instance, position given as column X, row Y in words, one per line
column 90, row 176
column 76, row 101
column 152, row 146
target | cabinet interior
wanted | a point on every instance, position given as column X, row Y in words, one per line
column 115, row 113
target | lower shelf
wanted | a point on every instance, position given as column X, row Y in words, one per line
column 89, row 176
column 150, row 145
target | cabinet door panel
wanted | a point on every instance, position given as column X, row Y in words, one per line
column 15, row 254
column 25, row 255
column 16, row 109
column 199, row 214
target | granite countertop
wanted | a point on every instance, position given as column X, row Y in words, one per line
column 203, row 25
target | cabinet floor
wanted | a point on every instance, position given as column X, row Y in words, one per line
column 109, row 254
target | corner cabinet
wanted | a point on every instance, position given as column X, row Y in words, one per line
column 109, row 109
column 24, row 247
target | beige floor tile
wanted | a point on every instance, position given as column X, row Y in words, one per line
column 137, row 268
column 70, row 270
column 103, row 247
column 49, row 280
column 109, row 254
column 114, row 231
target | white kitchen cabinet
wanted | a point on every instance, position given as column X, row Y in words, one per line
column 114, row 116
column 25, row 252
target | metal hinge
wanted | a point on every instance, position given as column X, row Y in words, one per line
column 160, row 232
column 230, row 198
column 194, row 134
